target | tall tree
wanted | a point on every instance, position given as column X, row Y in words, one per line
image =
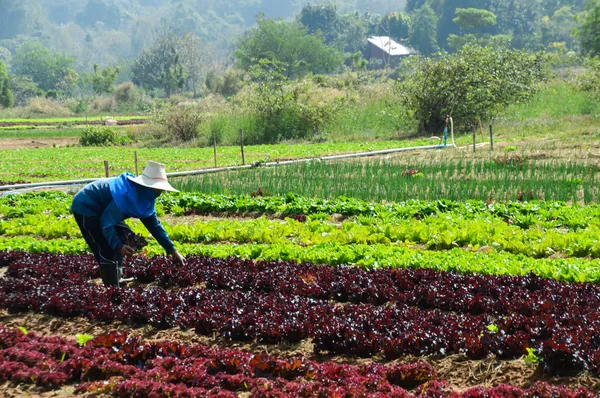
column 423, row 32
column 588, row 31
column 323, row 18
column 473, row 22
column 6, row 96
column 395, row 25
column 159, row 67
column 289, row 44
column 195, row 55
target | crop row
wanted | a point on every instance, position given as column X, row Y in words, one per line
column 126, row 366
column 524, row 215
column 367, row 256
column 441, row 233
column 566, row 340
column 439, row 177
column 426, row 289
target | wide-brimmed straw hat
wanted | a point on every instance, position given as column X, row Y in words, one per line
column 154, row 176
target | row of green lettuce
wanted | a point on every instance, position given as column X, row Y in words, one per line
column 434, row 233
column 368, row 256
column 523, row 215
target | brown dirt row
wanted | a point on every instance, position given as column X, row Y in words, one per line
column 461, row 372
column 22, row 143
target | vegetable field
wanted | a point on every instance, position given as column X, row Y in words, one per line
column 299, row 296
column 503, row 177
column 47, row 164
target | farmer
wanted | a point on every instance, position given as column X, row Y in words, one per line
column 101, row 207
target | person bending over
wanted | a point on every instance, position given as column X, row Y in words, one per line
column 101, row 207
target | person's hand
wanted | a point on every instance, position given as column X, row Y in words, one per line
column 127, row 251
column 178, row 257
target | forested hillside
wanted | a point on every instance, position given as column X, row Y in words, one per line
column 102, row 31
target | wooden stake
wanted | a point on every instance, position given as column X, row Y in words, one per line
column 492, row 138
column 106, row 168
column 137, row 172
column 242, row 146
column 474, row 138
column 215, row 146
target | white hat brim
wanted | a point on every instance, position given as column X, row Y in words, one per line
column 151, row 183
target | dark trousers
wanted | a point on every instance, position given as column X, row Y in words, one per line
column 110, row 260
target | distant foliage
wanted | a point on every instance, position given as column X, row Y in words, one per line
column 105, row 11
column 98, row 136
column 48, row 70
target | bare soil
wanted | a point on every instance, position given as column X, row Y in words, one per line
column 21, row 143
column 461, row 372
column 81, row 123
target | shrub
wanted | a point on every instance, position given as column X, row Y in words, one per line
column 98, row 136
column 126, row 94
column 286, row 111
column 180, row 122
column 589, row 81
column 227, row 84
column 102, row 104
column 470, row 85
column 46, row 106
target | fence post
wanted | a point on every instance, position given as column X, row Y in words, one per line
column 106, row 169
column 242, row 146
column 137, row 172
column 492, row 138
column 215, row 146
column 474, row 138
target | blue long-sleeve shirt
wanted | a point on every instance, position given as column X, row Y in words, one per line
column 95, row 200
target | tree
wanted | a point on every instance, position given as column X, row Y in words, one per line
column 588, row 30
column 288, row 44
column 103, row 81
column 50, row 71
column 23, row 88
column 470, row 85
column 473, row 22
column 195, row 55
column 6, row 96
column 559, row 28
column 159, row 67
column 324, row 19
column 103, row 11
column 395, row 25
column 423, row 32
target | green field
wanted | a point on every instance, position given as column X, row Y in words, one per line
column 46, row 164
column 69, row 119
